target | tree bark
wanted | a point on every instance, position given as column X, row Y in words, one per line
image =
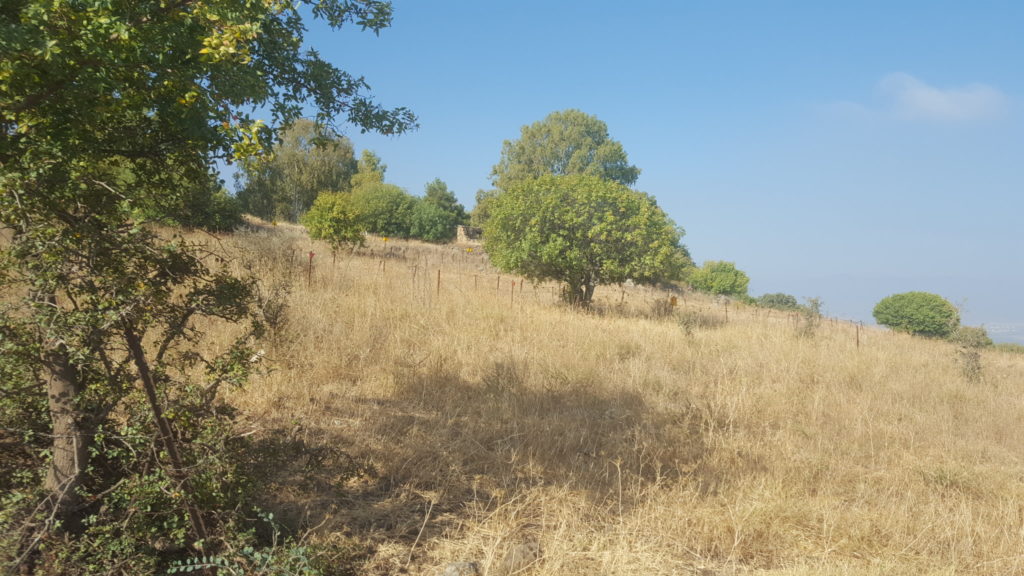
column 588, row 293
column 70, row 446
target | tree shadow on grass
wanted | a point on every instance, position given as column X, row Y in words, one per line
column 515, row 429
column 440, row 443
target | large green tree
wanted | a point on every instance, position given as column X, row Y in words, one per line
column 369, row 170
column 919, row 313
column 563, row 143
column 384, row 209
column 437, row 214
column 106, row 107
column 438, row 194
column 583, row 231
column 307, row 159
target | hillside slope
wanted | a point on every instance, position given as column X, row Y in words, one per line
column 429, row 418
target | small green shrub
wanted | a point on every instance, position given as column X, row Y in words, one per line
column 283, row 557
column 970, row 340
column 918, row 313
column 778, row 301
column 719, row 278
column 971, row 337
column 810, row 318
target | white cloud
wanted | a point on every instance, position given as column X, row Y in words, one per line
column 911, row 98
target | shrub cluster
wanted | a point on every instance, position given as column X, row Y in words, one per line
column 386, row 210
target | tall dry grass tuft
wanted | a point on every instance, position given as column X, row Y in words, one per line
column 448, row 421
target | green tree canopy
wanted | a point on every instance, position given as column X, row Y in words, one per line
column 334, row 219
column 566, row 142
column 307, row 159
column 384, row 209
column 438, row 194
column 919, row 313
column 436, row 215
column 370, row 170
column 106, row 108
column 482, row 210
column 584, row 231
column 720, row 278
column 432, row 223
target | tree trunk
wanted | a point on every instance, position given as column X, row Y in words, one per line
column 588, row 294
column 572, row 294
column 70, row 439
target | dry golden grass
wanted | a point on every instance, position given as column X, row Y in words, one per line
column 455, row 422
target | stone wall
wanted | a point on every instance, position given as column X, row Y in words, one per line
column 468, row 235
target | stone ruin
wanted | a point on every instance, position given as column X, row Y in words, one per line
column 468, row 234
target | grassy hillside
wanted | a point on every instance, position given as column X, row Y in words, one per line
column 422, row 422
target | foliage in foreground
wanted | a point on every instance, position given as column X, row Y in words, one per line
column 112, row 111
column 583, row 231
column 918, row 313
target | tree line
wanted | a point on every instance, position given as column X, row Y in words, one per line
column 313, row 177
column 562, row 207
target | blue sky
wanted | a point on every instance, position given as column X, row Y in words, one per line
column 843, row 150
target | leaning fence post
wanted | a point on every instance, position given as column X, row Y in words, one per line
column 438, row 282
column 309, row 270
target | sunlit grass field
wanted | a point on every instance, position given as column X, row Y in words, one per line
column 418, row 407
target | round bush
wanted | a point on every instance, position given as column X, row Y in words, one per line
column 720, row 278
column 919, row 313
column 778, row 301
